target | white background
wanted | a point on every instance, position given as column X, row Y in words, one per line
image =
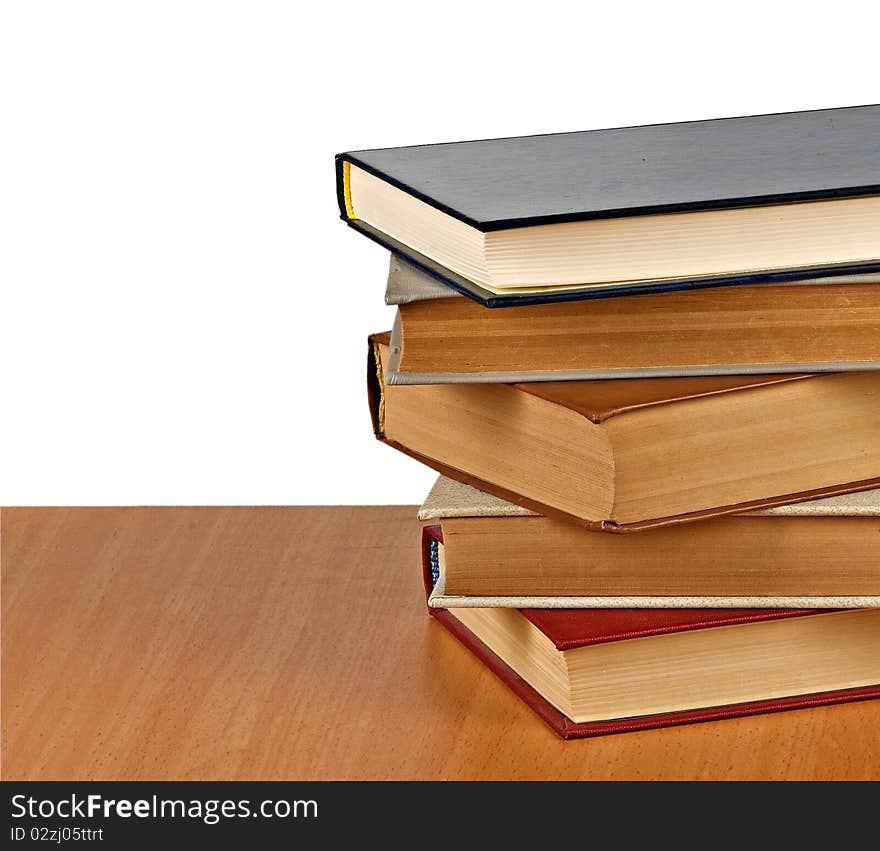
column 183, row 313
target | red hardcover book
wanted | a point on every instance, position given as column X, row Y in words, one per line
column 569, row 629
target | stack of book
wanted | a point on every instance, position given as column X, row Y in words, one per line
column 646, row 362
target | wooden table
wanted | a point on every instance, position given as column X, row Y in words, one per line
column 293, row 643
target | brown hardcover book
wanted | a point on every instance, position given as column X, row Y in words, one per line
column 817, row 554
column 634, row 454
column 797, row 327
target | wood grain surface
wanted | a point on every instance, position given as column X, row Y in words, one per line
column 293, row 643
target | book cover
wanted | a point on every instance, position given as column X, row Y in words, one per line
column 408, row 284
column 575, row 628
column 661, row 168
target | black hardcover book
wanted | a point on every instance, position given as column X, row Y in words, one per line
column 637, row 209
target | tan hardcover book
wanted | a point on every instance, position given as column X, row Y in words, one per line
column 797, row 327
column 816, row 554
column 635, row 454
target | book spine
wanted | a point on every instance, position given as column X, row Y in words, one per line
column 343, row 191
column 432, row 537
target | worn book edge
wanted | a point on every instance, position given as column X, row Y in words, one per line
column 451, row 498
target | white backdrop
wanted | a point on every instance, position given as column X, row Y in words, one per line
column 183, row 313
